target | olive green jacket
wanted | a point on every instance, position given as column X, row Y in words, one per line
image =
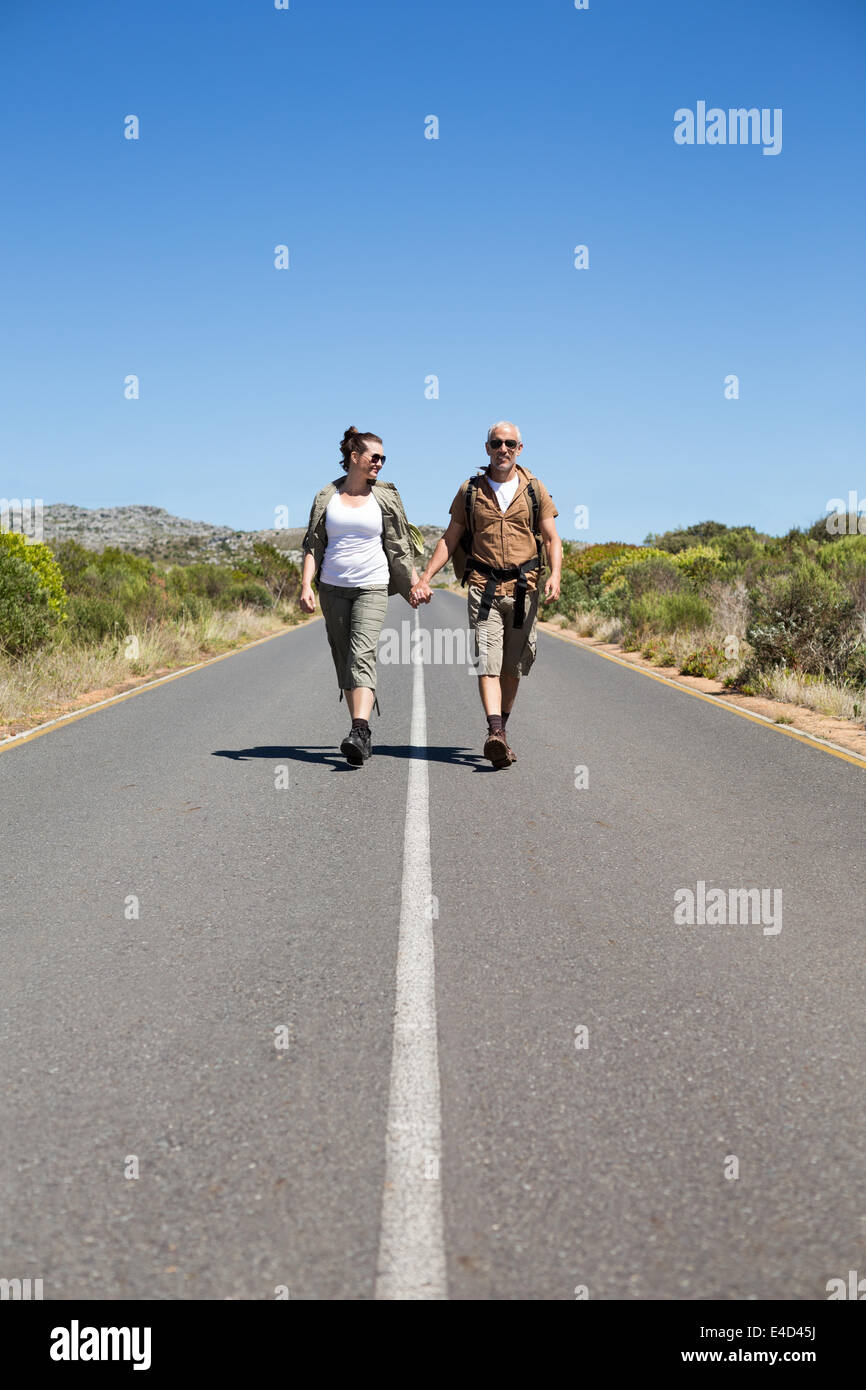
column 396, row 541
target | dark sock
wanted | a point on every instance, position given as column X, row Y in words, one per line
column 361, row 724
column 505, row 715
column 495, row 724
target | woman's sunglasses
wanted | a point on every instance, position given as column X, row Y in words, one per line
column 377, row 458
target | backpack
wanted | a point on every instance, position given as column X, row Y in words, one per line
column 463, row 548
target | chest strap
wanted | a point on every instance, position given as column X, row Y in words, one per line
column 495, row 577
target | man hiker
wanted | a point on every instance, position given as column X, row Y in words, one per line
column 499, row 520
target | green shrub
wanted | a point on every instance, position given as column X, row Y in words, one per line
column 747, row 680
column 193, row 607
column 621, row 563
column 584, row 561
column 73, row 559
column 199, row 581
column 705, row 661
column 255, row 595
column 846, row 561
column 280, row 576
column 117, row 575
column 644, row 614
column 738, row 545
column 667, row 613
column 845, row 554
column 590, row 563
column 611, row 603
column 26, row 616
column 805, row 619
column 680, row 539
column 650, row 574
column 658, row 653
column 700, row 564
column 684, row 611
column 92, row 617
column 855, row 666
column 42, row 561
column 223, row 585
column 118, row 586
column 573, row 596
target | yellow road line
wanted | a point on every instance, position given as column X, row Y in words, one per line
column 16, row 740
column 824, row 744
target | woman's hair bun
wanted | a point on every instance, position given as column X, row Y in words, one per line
column 354, row 441
column 348, row 446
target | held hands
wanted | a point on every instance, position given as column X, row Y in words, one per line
column 421, row 593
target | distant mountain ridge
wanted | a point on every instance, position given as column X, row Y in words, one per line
column 152, row 529
column 157, row 533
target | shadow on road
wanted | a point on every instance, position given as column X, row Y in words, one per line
column 327, row 754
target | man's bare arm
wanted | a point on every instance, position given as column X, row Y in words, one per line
column 445, row 547
column 554, row 552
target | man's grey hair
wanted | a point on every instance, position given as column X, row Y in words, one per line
column 499, row 424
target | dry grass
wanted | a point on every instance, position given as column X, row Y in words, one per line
column 36, row 688
column 729, row 619
column 591, row 623
column 826, row 697
column 730, row 605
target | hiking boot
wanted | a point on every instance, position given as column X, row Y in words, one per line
column 357, row 746
column 497, row 750
column 512, row 756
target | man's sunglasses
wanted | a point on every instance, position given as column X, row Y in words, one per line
column 498, row 443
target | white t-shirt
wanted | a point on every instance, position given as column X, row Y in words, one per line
column 354, row 557
column 505, row 491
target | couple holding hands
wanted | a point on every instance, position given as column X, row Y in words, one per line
column 358, row 549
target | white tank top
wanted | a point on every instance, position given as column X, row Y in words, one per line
column 354, row 557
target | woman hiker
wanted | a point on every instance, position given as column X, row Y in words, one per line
column 357, row 550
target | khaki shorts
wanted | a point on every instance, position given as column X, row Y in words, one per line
column 500, row 648
column 353, row 621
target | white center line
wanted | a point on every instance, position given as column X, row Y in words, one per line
column 412, row 1244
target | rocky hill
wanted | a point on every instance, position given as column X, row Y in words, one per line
column 154, row 532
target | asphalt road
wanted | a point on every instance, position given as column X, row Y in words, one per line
column 271, row 900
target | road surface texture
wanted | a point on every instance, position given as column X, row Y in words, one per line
column 209, row 920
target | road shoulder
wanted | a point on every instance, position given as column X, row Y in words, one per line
column 19, row 731
column 843, row 733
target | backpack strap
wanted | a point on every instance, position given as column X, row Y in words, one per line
column 466, row 539
column 471, row 489
column 534, row 498
column 533, row 495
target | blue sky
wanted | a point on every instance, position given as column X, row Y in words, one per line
column 453, row 257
